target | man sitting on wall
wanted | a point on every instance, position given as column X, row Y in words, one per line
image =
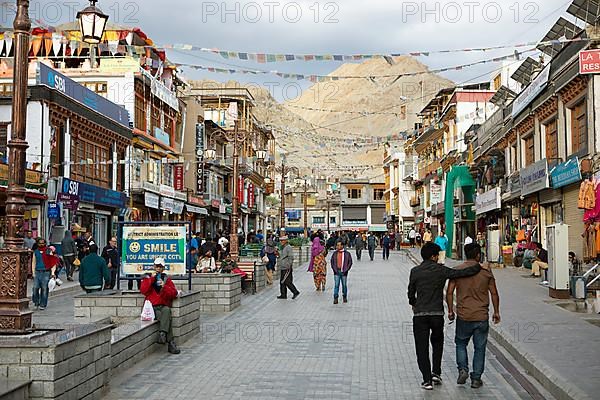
column 160, row 291
column 541, row 260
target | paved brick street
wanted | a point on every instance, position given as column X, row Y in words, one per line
column 309, row 348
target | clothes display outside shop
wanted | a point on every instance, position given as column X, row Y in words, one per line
column 589, row 200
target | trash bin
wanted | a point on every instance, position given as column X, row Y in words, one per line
column 578, row 287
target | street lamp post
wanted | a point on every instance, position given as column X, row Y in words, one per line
column 305, row 208
column 92, row 22
column 283, row 170
column 15, row 316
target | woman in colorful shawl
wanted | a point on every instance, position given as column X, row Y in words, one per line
column 320, row 270
column 316, row 249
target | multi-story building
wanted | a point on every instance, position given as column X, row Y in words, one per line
column 398, row 166
column 77, row 140
column 531, row 156
column 362, row 205
column 212, row 127
column 440, row 143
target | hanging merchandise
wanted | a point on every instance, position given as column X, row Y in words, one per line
column 587, row 194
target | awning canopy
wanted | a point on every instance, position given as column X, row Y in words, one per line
column 196, row 209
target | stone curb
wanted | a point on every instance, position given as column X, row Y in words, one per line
column 560, row 388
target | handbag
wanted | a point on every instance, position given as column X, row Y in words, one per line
column 76, row 262
column 265, row 259
column 148, row 311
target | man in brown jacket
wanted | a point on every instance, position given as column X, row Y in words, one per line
column 472, row 306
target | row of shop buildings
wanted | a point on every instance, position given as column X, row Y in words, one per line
column 502, row 160
column 129, row 140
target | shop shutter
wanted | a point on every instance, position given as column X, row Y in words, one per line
column 377, row 214
column 573, row 218
column 354, row 213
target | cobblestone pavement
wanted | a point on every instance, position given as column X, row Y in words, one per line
column 309, row 348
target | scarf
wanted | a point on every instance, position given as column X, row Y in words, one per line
column 316, row 249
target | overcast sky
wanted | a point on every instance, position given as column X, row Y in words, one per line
column 321, row 26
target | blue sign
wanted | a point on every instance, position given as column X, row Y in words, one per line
column 67, row 86
column 565, row 173
column 53, row 210
column 93, row 194
column 162, row 136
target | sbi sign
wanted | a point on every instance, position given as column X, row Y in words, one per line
column 58, row 82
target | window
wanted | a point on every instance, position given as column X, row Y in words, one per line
column 354, row 193
column 578, row 127
column 529, row 150
column 332, row 220
column 140, row 113
column 97, row 172
column 99, row 87
column 378, row 194
column 318, row 220
column 551, row 129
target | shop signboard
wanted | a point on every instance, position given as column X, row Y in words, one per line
column 93, row 194
column 178, row 177
column 33, row 179
column 53, row 210
column 251, row 195
column 419, row 216
column 151, row 200
column 168, row 191
column 199, row 158
column 565, row 173
column 435, row 193
column 162, row 136
column 171, row 205
column 528, row 94
column 69, row 201
column 67, row 86
column 143, row 244
column 589, row 61
column 534, row 177
column 488, row 201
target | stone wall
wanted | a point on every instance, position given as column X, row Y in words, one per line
column 71, row 363
column 131, row 343
column 185, row 311
column 186, row 316
column 218, row 292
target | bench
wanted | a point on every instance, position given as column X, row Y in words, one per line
column 249, row 267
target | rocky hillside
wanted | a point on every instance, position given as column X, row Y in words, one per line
column 338, row 117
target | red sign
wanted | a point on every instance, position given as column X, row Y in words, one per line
column 197, row 201
column 589, row 61
column 240, row 193
column 250, row 195
column 178, row 177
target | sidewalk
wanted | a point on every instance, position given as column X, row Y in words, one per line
column 558, row 347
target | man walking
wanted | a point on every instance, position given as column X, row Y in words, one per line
column 341, row 262
column 111, row 255
column 472, row 307
column 92, row 271
column 371, row 244
column 359, row 245
column 386, row 243
column 412, row 234
column 425, row 295
column 286, row 263
column 160, row 291
column 442, row 242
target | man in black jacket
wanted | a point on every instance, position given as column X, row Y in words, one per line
column 425, row 295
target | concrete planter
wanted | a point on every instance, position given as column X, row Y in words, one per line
column 69, row 363
column 218, row 292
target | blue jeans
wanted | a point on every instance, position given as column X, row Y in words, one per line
column 40, row 288
column 464, row 331
column 336, row 288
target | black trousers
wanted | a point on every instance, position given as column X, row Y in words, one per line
column 371, row 253
column 286, row 281
column 426, row 328
column 386, row 253
column 113, row 277
column 358, row 253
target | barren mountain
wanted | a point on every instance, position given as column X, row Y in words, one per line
column 330, row 125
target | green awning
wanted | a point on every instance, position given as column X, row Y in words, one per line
column 459, row 176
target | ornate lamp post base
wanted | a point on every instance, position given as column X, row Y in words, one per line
column 15, row 316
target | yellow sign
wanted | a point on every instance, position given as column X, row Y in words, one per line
column 119, row 65
column 31, row 177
